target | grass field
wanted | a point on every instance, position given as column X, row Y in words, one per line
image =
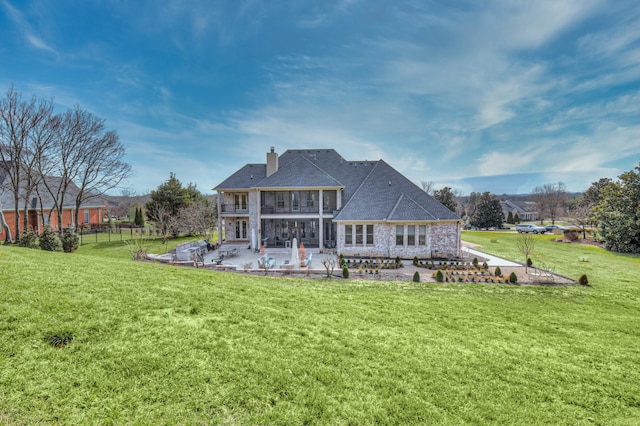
column 160, row 344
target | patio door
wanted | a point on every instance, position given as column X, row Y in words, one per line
column 241, row 230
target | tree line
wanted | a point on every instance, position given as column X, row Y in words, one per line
column 608, row 208
column 67, row 158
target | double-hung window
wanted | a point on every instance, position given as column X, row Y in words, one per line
column 399, row 235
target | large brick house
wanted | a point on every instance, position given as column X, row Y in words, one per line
column 40, row 205
column 363, row 208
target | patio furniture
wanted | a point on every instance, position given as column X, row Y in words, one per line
column 306, row 261
column 266, row 261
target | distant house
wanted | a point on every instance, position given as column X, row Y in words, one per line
column 364, row 208
column 526, row 210
column 40, row 205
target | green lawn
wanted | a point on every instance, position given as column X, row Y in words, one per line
column 160, row 344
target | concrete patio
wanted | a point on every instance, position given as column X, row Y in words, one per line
column 247, row 260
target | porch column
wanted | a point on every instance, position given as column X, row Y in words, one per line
column 320, row 222
column 219, row 202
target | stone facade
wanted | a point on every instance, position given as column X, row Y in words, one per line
column 441, row 239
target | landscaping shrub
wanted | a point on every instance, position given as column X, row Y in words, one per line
column 583, row 280
column 49, row 240
column 345, row 272
column 513, row 278
column 475, row 262
column 529, row 262
column 439, row 276
column 416, row 277
column 415, row 260
column 571, row 235
column 497, row 272
column 29, row 239
column 485, row 266
column 70, row 241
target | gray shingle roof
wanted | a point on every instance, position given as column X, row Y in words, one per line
column 386, row 194
column 8, row 203
column 245, row 178
column 372, row 190
column 299, row 173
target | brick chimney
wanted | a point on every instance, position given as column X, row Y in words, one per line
column 272, row 162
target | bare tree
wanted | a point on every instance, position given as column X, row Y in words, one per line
column 41, row 141
column 85, row 162
column 550, row 199
column 580, row 216
column 5, row 226
column 427, row 186
column 329, row 264
column 18, row 118
column 197, row 218
column 526, row 244
column 166, row 222
column 101, row 167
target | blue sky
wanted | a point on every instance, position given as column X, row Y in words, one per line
column 496, row 95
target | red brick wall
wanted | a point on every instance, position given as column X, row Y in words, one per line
column 95, row 217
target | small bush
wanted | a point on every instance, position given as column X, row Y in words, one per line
column 416, row 277
column 29, row 240
column 415, row 260
column 497, row 272
column 345, row 272
column 70, row 241
column 439, row 276
column 583, row 280
column 529, row 262
column 49, row 240
column 571, row 235
column 513, row 278
column 475, row 262
column 485, row 266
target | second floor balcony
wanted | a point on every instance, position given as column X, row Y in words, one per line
column 235, row 208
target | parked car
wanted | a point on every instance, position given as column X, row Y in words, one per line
column 551, row 228
column 530, row 228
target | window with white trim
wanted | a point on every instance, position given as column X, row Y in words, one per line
column 399, row 235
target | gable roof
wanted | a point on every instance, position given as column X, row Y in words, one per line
column 299, row 173
column 371, row 190
column 385, row 194
column 41, row 194
column 244, row 178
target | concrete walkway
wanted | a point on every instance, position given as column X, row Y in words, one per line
column 491, row 260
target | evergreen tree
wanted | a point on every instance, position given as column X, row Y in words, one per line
column 618, row 213
column 446, row 197
column 488, row 212
column 516, row 218
column 510, row 218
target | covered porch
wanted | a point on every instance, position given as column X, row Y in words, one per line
column 313, row 233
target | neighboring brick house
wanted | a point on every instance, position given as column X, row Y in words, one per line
column 363, row 208
column 40, row 206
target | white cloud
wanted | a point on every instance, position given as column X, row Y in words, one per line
column 26, row 29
